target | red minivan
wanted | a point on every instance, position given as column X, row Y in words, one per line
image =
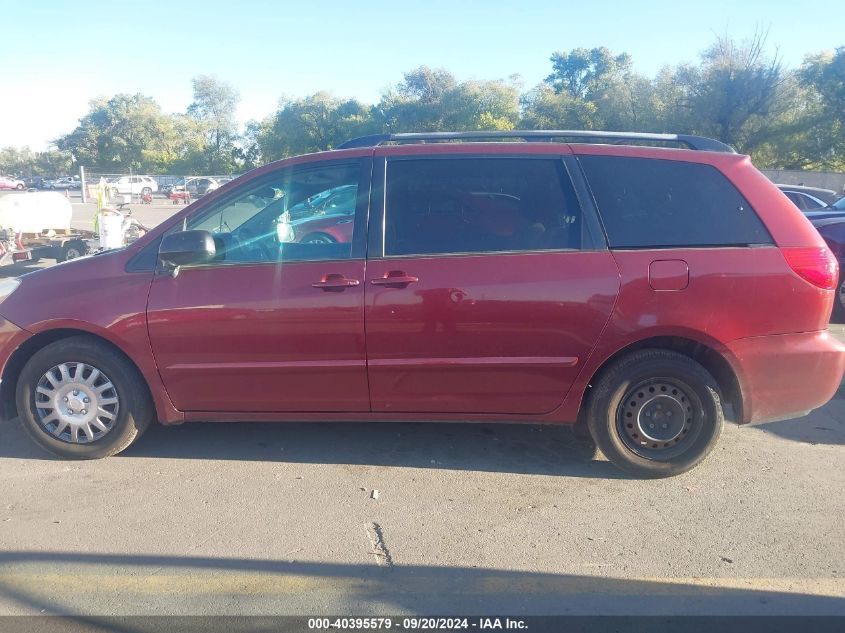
column 643, row 293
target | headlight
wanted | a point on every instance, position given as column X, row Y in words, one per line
column 8, row 286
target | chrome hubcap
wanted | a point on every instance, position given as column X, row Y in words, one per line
column 76, row 403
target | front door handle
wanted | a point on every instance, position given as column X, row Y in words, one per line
column 396, row 278
column 335, row 282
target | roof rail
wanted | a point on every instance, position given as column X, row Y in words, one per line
column 692, row 142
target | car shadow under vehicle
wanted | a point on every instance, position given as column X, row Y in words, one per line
column 825, row 425
column 512, row 448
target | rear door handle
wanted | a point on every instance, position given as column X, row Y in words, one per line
column 334, row 282
column 395, row 278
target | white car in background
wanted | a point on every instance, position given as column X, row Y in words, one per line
column 133, row 185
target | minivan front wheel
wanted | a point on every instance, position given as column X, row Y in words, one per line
column 78, row 398
column 655, row 413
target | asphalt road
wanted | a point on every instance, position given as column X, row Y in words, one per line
column 283, row 519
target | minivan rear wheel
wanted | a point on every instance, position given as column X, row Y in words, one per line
column 79, row 398
column 655, row 413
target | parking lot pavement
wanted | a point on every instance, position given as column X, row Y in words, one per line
column 282, row 518
column 468, row 518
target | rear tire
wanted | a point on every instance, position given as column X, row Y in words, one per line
column 117, row 390
column 655, row 413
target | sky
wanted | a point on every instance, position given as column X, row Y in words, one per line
column 57, row 55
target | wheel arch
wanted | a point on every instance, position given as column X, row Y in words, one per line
column 16, row 362
column 716, row 362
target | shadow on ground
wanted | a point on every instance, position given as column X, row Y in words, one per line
column 76, row 583
column 511, row 448
column 825, row 425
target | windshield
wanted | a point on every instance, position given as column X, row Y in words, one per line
column 839, row 204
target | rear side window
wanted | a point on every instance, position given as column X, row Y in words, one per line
column 469, row 205
column 661, row 203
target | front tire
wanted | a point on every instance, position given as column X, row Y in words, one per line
column 79, row 398
column 655, row 413
column 20, row 187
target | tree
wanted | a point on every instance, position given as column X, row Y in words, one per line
column 433, row 100
column 733, row 94
column 126, row 132
column 315, row 123
column 25, row 162
column 820, row 136
column 587, row 73
column 481, row 105
column 416, row 104
column 214, row 106
column 545, row 109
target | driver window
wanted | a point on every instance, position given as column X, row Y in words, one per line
column 303, row 213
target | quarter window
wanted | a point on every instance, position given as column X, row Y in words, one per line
column 649, row 203
column 468, row 205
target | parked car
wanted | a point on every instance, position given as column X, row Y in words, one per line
column 834, row 211
column 194, row 187
column 832, row 230
column 7, row 182
column 809, row 198
column 35, row 182
column 631, row 291
column 65, row 182
column 201, row 185
column 133, row 185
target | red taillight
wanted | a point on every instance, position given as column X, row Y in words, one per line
column 816, row 265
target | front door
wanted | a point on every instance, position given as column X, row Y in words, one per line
column 491, row 288
column 276, row 322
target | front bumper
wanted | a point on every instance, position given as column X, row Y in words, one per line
column 11, row 336
column 787, row 375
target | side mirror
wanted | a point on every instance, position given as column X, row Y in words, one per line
column 187, row 247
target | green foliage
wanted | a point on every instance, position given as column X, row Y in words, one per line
column 587, row 74
column 823, row 139
column 432, row 100
column 733, row 94
column 213, row 109
column 24, row 162
column 546, row 109
column 316, row 123
column 126, row 132
column 736, row 93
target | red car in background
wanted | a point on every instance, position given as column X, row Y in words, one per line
column 642, row 294
column 7, row 182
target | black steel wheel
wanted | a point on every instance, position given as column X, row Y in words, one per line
column 655, row 413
